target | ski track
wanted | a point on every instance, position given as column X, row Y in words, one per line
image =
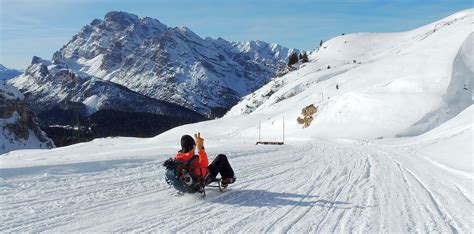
column 321, row 186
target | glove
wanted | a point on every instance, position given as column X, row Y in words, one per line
column 199, row 142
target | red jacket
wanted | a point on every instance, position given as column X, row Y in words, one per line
column 199, row 165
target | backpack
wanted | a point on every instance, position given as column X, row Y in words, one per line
column 181, row 175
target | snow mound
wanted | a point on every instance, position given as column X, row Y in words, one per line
column 450, row 144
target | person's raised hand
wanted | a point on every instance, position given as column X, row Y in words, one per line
column 199, row 142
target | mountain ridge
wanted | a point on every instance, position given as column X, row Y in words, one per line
column 171, row 63
column 7, row 73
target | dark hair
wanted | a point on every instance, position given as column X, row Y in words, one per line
column 187, row 143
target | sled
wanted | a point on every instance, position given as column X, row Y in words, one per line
column 219, row 185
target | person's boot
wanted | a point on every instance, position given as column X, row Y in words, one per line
column 228, row 180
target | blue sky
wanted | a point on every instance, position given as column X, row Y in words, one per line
column 40, row 27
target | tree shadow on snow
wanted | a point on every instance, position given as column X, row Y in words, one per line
column 262, row 198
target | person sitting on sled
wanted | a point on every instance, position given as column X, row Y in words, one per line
column 202, row 168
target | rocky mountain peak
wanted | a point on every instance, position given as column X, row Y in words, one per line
column 170, row 63
column 121, row 19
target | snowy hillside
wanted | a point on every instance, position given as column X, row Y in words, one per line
column 331, row 176
column 19, row 126
column 172, row 64
column 6, row 73
column 409, row 82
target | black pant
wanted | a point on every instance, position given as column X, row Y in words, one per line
column 221, row 165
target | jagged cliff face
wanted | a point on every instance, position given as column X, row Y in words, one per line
column 46, row 85
column 19, row 125
column 172, row 64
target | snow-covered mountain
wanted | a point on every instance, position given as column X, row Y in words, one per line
column 170, row 63
column 386, row 84
column 47, row 85
column 19, row 126
column 6, row 73
column 74, row 106
column 371, row 85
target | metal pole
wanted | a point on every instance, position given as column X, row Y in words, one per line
column 259, row 127
column 283, row 129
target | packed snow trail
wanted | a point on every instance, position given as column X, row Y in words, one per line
column 314, row 186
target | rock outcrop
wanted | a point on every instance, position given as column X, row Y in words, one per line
column 19, row 125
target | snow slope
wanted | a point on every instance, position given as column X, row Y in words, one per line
column 409, row 82
column 417, row 183
column 306, row 185
column 117, row 184
column 448, row 146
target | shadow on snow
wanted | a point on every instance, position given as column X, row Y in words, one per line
column 262, row 198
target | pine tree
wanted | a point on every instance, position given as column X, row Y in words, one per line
column 304, row 57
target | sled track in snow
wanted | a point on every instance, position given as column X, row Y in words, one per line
column 319, row 186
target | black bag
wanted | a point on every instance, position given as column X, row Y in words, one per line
column 181, row 175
